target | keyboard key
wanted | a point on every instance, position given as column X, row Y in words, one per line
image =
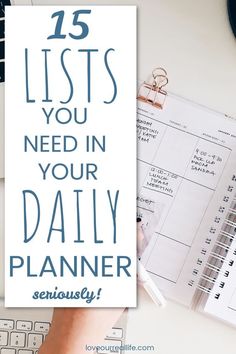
column 2, row 12
column 24, row 325
column 25, row 351
column 2, row 29
column 17, row 339
column 42, row 327
column 111, row 346
column 3, row 338
column 7, row 351
column 2, row 49
column 35, row 340
column 2, row 79
column 3, row 3
column 6, row 324
column 115, row 333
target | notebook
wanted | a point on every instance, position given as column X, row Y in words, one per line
column 187, row 169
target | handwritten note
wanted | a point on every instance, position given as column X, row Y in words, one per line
column 185, row 165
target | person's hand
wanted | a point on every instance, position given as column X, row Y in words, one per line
column 74, row 328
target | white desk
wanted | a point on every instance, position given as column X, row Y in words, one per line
column 177, row 330
column 193, row 41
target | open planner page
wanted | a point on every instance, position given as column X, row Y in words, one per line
column 186, row 160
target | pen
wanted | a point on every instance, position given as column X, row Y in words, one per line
column 150, row 286
column 145, row 279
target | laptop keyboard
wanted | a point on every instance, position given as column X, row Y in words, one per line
column 25, row 337
column 3, row 3
column 22, row 337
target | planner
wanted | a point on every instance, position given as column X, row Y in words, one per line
column 187, row 183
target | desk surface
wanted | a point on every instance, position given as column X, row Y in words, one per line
column 193, row 41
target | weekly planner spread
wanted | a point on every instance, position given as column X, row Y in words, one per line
column 186, row 169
